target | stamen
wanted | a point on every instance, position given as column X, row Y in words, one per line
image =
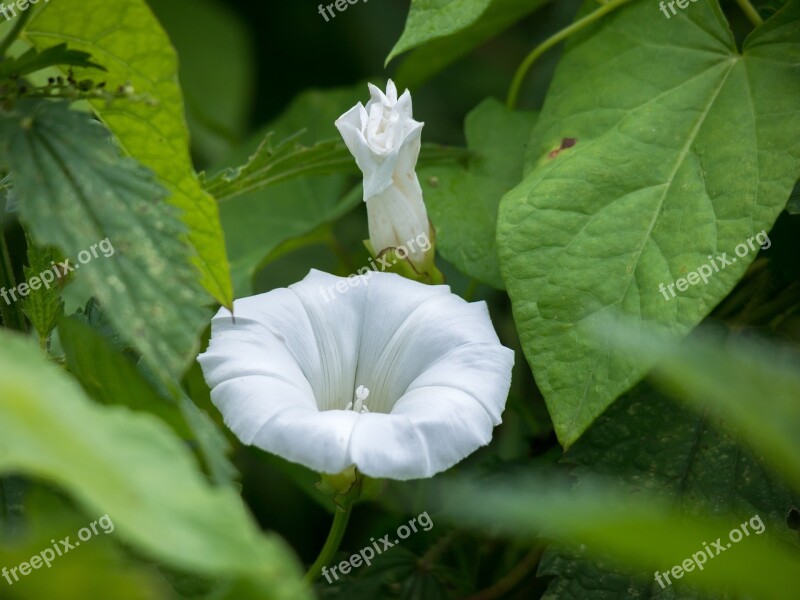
column 362, row 393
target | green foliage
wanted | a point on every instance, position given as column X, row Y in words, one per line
column 432, row 19
column 663, row 141
column 752, row 385
column 462, row 202
column 75, row 191
column 651, row 188
column 43, row 306
column 442, row 50
column 644, row 536
column 130, row 466
column 129, row 42
column 217, row 79
column 34, row 60
column 653, row 445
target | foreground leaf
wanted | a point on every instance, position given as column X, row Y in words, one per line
column 753, row 385
column 654, row 445
column 129, row 466
column 74, row 192
column 640, row 533
column 126, row 38
column 648, row 188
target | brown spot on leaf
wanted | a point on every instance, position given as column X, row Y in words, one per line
column 565, row 144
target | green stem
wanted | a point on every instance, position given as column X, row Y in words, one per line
column 340, row 519
column 22, row 20
column 10, row 311
column 519, row 76
column 514, row 576
column 750, row 11
column 469, row 294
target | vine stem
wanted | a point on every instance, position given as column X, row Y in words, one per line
column 22, row 20
column 522, row 70
column 750, row 11
column 11, row 312
column 512, row 578
column 340, row 519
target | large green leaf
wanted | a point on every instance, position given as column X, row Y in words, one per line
column 125, row 37
column 462, row 202
column 111, row 378
column 131, row 467
column 652, row 186
column 638, row 531
column 753, row 385
column 76, row 193
column 432, row 19
column 653, row 444
column 436, row 54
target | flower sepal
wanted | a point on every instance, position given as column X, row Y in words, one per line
column 339, row 484
column 350, row 486
column 425, row 272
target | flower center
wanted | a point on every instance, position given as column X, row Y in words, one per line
column 359, row 406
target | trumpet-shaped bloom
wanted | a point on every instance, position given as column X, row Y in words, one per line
column 400, row 379
column 384, row 139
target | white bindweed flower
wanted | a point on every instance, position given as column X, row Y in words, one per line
column 385, row 141
column 397, row 378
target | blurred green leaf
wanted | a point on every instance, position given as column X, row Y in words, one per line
column 436, row 54
column 111, row 378
column 753, row 385
column 637, row 530
column 462, row 202
column 432, row 19
column 89, row 571
column 126, row 38
column 212, row 444
column 133, row 468
column 34, row 60
column 652, row 444
column 599, row 223
column 75, row 191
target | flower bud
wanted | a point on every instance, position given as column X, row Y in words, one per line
column 384, row 139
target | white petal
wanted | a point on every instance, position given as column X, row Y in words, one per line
column 429, row 431
column 436, row 373
column 318, row 440
column 407, row 338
